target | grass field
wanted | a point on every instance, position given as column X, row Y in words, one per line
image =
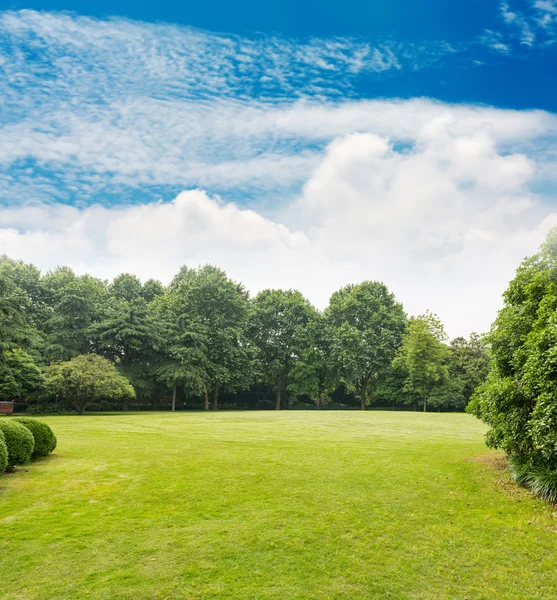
column 272, row 505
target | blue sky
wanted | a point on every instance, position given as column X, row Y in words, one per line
column 300, row 144
column 519, row 77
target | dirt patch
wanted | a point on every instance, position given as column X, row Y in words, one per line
column 497, row 464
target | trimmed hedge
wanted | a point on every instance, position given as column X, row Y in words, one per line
column 19, row 440
column 3, row 453
column 45, row 440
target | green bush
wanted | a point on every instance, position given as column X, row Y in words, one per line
column 19, row 440
column 45, row 440
column 3, row 453
column 542, row 481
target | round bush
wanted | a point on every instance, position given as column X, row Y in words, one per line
column 3, row 453
column 45, row 440
column 19, row 440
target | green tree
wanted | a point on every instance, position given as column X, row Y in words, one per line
column 182, row 358
column 423, row 356
column 518, row 399
column 126, row 287
column 85, row 379
column 77, row 303
column 313, row 372
column 27, row 278
column 152, row 289
column 19, row 375
column 219, row 310
column 127, row 335
column 467, row 365
column 278, row 323
column 15, row 330
column 366, row 324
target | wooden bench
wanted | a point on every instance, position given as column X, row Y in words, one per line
column 6, row 408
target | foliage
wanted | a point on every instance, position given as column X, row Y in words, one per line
column 518, row 399
column 19, row 440
column 128, row 336
column 278, row 322
column 76, row 304
column 366, row 324
column 202, row 339
column 15, row 330
column 182, row 349
column 19, row 375
column 217, row 309
column 85, row 379
column 3, row 453
column 422, row 356
column 45, row 440
column 467, row 366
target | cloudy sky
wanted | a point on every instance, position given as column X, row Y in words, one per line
column 307, row 147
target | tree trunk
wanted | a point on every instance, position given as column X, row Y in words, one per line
column 174, row 398
column 206, row 397
column 279, row 385
column 216, row 398
column 363, row 397
column 425, row 404
column 126, row 404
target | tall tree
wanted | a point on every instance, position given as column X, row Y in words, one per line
column 127, row 335
column 126, row 287
column 77, row 303
column 313, row 372
column 468, row 365
column 518, row 399
column 181, row 350
column 366, row 324
column 15, row 330
column 278, row 321
column 219, row 309
column 423, row 356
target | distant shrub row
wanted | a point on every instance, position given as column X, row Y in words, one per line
column 22, row 439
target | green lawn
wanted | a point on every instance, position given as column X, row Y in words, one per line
column 272, row 505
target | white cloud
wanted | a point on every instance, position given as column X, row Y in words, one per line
column 443, row 221
column 435, row 199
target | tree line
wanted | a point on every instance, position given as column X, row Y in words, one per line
column 202, row 341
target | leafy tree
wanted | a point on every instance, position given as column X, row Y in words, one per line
column 152, row 289
column 313, row 373
column 518, row 399
column 468, row 365
column 27, row 278
column 15, row 330
column 366, row 324
column 181, row 350
column 277, row 326
column 423, row 355
column 77, row 303
column 126, row 287
column 85, row 379
column 19, row 375
column 218, row 309
column 127, row 335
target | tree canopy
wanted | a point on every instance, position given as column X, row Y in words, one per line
column 86, row 379
column 366, row 326
column 202, row 341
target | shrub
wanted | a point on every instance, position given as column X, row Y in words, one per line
column 542, row 481
column 45, row 440
column 3, row 453
column 19, row 440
